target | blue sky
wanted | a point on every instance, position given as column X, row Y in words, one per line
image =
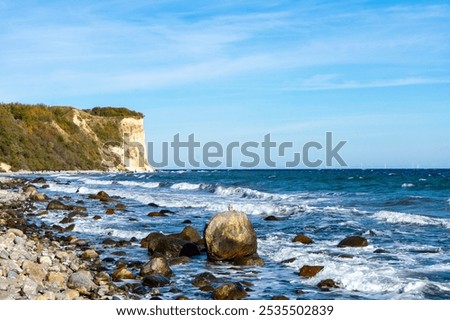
column 375, row 73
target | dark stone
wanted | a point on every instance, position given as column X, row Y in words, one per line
column 289, row 260
column 39, row 180
column 57, row 205
column 232, row 291
column 153, row 205
column 204, row 279
column 66, row 220
column 155, row 281
column 303, row 239
column 164, row 211
column 189, row 234
column 157, row 215
column 78, row 214
column 253, row 260
column 190, row 250
column 158, row 243
column 207, row 288
column 97, row 217
column 328, row 284
column 353, row 241
column 310, row 271
column 280, row 298
column 110, row 211
column 102, row 196
column 187, row 222
column 271, row 218
column 380, row 251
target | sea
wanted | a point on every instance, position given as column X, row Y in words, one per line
column 404, row 215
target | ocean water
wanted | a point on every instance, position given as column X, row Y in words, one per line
column 404, row 212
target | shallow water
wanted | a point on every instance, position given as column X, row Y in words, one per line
column 405, row 212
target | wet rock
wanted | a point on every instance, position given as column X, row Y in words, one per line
column 190, row 250
column 253, row 260
column 120, row 206
column 82, row 282
column 280, row 298
column 179, row 260
column 157, row 215
column 287, row 261
column 102, row 196
column 77, row 214
column 181, row 298
column 271, row 218
column 57, row 205
column 232, row 291
column 69, row 228
column 230, row 235
column 66, row 220
column 189, row 234
column 310, row 271
column 110, row 211
column 204, row 279
column 187, row 222
column 158, row 243
column 155, row 281
column 327, row 284
column 123, row 274
column 39, row 180
column 303, row 239
column 353, row 241
column 158, row 265
column 153, row 205
column 380, row 251
column 97, row 217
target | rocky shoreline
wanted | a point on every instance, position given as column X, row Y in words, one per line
column 46, row 262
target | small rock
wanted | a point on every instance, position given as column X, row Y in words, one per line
column 189, row 234
column 123, row 274
column 310, row 271
column 56, row 279
column 57, row 205
column 271, row 218
column 179, row 260
column 187, row 222
column 35, row 271
column 16, row 232
column 110, row 211
column 47, row 261
column 97, row 217
column 232, row 291
column 287, row 261
column 30, row 288
column 353, row 241
column 303, row 239
column 158, row 265
column 380, row 251
column 253, row 260
column 39, row 180
column 180, row 298
column 190, row 250
column 157, row 215
column 153, row 205
column 71, row 294
column 120, row 206
column 280, row 298
column 204, row 279
column 155, row 281
column 327, row 284
column 66, row 220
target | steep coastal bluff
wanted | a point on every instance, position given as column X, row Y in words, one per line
column 39, row 137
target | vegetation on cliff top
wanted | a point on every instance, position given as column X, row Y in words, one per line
column 38, row 137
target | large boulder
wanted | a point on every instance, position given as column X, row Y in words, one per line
column 230, row 235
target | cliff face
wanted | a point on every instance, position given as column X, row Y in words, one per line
column 37, row 137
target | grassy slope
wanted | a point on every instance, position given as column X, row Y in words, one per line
column 29, row 140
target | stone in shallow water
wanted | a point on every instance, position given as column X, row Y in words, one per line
column 230, row 235
column 353, row 241
column 158, row 265
column 232, row 291
column 155, row 281
column 303, row 239
column 310, row 271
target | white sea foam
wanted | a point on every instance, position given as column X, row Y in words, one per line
column 96, row 182
column 408, row 185
column 186, row 186
column 248, row 193
column 148, row 185
column 401, row 217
